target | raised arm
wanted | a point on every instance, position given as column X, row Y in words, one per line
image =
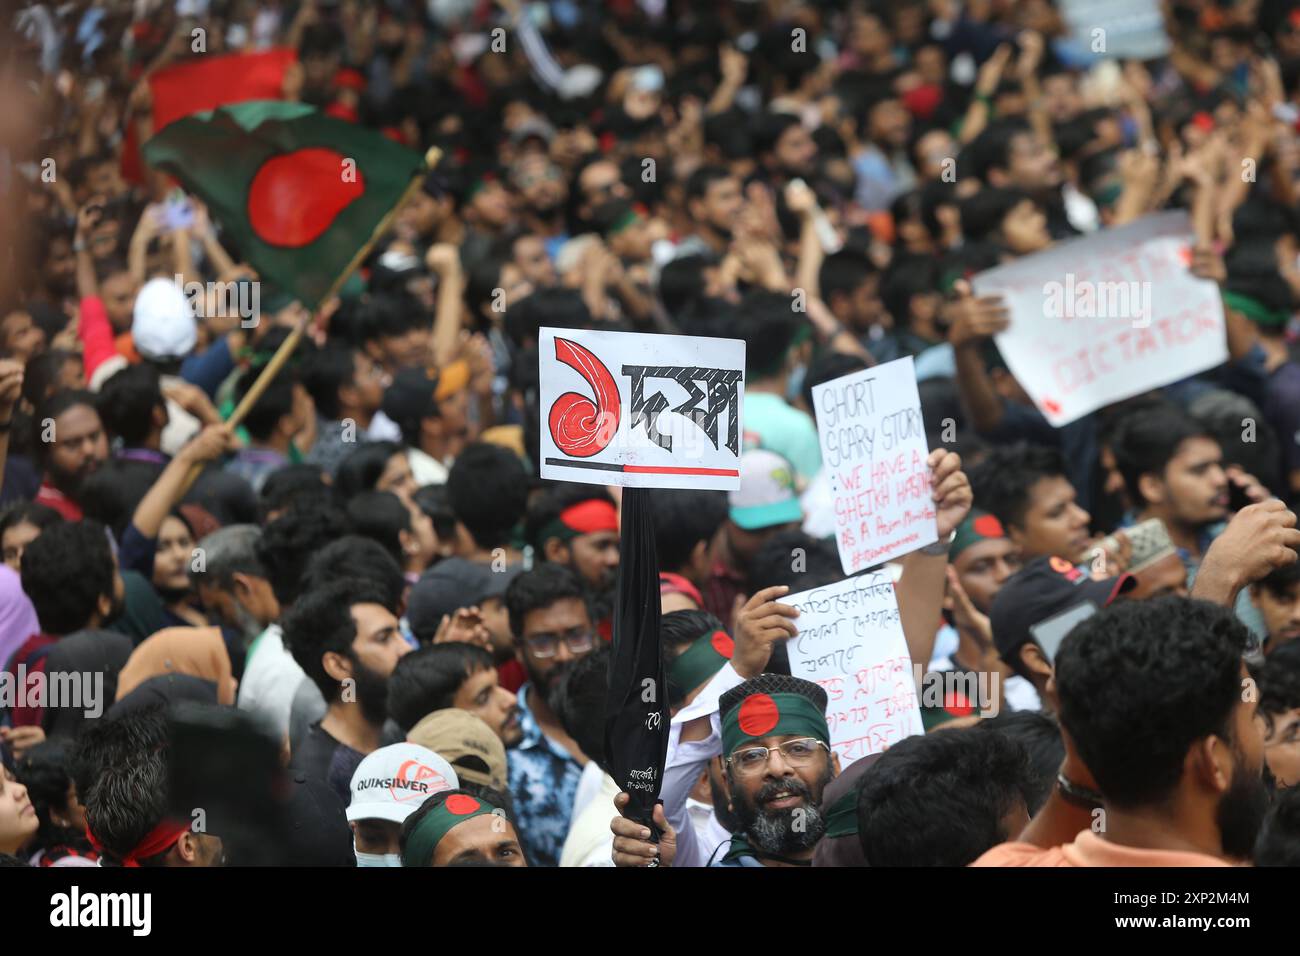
column 170, row 486
column 444, row 259
column 920, row 589
column 973, row 321
column 1258, row 539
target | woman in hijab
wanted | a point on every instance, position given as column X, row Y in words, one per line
column 17, row 616
column 197, row 651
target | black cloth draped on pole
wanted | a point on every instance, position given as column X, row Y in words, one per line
column 636, row 709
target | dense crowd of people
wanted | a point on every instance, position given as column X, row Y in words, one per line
column 369, row 603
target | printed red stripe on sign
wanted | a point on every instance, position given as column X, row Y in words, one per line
column 649, row 470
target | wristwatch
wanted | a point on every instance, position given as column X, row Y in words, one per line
column 940, row 547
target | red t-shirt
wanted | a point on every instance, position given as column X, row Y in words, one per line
column 51, row 497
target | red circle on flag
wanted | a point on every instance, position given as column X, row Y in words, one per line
column 295, row 197
column 462, row 804
column 723, row 644
column 758, row 715
column 988, row 526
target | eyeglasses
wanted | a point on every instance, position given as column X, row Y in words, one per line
column 797, row 753
column 577, row 640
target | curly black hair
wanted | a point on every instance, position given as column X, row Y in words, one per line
column 1278, row 679
column 321, row 621
column 66, row 571
column 1141, row 682
column 1278, row 843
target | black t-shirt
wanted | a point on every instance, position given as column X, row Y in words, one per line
column 324, row 758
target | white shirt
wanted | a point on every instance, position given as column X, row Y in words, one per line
column 590, row 841
column 181, row 425
column 687, row 760
column 426, row 469
column 271, row 678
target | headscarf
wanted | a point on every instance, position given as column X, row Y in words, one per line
column 17, row 616
column 197, row 651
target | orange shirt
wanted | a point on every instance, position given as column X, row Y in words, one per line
column 1088, row 849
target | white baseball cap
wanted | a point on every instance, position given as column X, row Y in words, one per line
column 392, row 782
column 163, row 325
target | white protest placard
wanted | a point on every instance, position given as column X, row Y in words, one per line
column 1116, row 29
column 874, row 449
column 851, row 642
column 1106, row 317
column 644, row 411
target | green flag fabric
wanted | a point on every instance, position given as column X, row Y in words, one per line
column 299, row 192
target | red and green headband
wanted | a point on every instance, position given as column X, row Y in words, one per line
column 1256, row 311
column 770, row 715
column 586, row 517
column 705, row 657
column 438, row 822
column 978, row 526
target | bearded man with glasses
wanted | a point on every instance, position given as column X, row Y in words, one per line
column 552, row 627
column 779, row 760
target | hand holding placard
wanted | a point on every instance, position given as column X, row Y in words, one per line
column 874, row 447
column 851, row 642
column 759, row 624
column 952, row 492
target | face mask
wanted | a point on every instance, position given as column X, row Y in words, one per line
column 795, row 384
column 378, row 859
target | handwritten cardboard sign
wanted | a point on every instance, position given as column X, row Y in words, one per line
column 851, row 642
column 644, row 411
column 874, row 448
column 1102, row 318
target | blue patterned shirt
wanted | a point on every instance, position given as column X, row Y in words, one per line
column 543, row 783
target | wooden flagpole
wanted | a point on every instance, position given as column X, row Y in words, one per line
column 290, row 344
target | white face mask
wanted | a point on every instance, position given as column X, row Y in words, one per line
column 378, row 859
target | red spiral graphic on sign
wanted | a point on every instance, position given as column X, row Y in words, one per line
column 579, row 427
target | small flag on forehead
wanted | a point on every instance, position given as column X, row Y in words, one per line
column 298, row 192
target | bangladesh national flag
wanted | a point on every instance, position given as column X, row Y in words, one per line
column 297, row 191
column 205, row 83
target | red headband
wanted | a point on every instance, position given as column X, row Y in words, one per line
column 670, row 583
column 590, row 516
column 158, row 840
